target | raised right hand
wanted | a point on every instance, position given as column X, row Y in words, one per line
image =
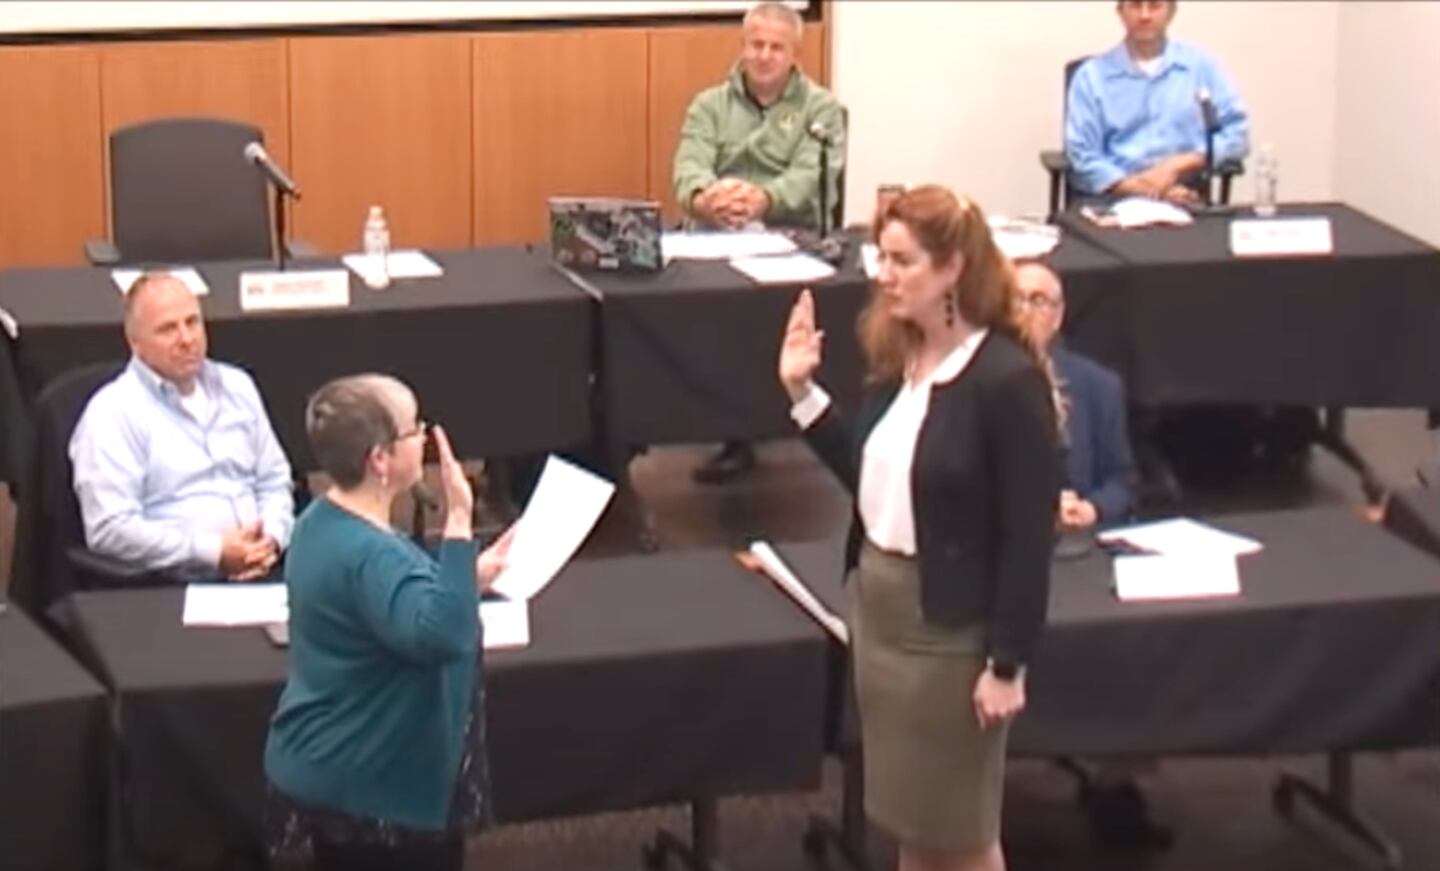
column 800, row 349
column 459, row 499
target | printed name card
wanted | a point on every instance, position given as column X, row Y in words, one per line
column 1281, row 237
column 283, row 291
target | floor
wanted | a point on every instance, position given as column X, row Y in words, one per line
column 1220, row 809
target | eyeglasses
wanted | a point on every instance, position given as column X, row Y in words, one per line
column 421, row 428
column 1040, row 300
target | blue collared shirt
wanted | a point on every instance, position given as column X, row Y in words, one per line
column 1120, row 121
column 157, row 487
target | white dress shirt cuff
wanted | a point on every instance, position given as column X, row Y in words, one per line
column 206, row 548
column 810, row 406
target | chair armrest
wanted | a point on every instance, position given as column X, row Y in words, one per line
column 297, row 249
column 101, row 252
column 108, row 571
column 1054, row 161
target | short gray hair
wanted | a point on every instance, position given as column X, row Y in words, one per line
column 772, row 11
column 349, row 417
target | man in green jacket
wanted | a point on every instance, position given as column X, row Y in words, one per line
column 749, row 154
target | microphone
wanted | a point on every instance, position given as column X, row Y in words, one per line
column 256, row 154
column 1208, row 112
column 820, row 133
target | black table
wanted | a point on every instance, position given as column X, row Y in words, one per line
column 688, row 354
column 498, row 349
column 1356, row 328
column 649, row 680
column 1332, row 647
column 52, row 754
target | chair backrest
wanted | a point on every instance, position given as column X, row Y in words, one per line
column 181, row 190
column 48, row 521
column 1070, row 68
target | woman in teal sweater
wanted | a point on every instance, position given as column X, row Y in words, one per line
column 376, row 755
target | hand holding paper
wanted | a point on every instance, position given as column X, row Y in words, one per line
column 565, row 506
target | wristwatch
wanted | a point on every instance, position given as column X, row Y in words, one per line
column 1004, row 669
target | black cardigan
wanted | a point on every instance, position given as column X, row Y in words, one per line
column 985, row 486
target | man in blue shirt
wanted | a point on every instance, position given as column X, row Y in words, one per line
column 176, row 467
column 1133, row 119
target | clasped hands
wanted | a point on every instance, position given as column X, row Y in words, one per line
column 1162, row 181
column 731, row 202
column 247, row 553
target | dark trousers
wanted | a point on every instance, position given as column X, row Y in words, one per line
column 447, row 855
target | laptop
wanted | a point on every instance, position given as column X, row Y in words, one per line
column 605, row 233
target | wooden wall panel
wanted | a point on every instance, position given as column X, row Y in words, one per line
column 686, row 60
column 555, row 113
column 51, row 197
column 382, row 120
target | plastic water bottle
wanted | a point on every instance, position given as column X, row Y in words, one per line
column 1267, row 180
column 376, row 244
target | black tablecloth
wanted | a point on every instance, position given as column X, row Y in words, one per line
column 1356, row 328
column 1333, row 644
column 52, row 754
column 1414, row 515
column 689, row 353
column 498, row 349
column 1097, row 313
column 649, row 680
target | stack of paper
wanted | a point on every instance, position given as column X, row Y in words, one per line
column 565, row 506
column 397, row 264
column 783, row 269
column 776, row 570
column 1023, row 238
column 125, row 278
column 1179, row 559
column 235, row 605
column 723, row 245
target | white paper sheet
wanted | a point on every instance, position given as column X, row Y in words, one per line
column 408, row 263
column 10, row 325
column 783, row 268
column 778, row 571
column 1182, row 536
column 870, row 259
column 1190, row 576
column 506, row 623
column 236, row 604
column 124, row 278
column 723, row 245
column 1020, row 238
column 565, row 506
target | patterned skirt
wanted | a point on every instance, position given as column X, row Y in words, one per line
column 291, row 828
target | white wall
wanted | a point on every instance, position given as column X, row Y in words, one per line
column 1388, row 124
column 967, row 93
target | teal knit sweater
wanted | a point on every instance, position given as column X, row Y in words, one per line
column 383, row 643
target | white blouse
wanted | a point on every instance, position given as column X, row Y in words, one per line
column 886, row 509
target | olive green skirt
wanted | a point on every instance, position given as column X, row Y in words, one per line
column 933, row 777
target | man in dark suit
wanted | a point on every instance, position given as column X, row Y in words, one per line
column 1100, row 470
column 1099, row 467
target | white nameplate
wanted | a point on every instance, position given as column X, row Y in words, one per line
column 279, row 291
column 1280, row 237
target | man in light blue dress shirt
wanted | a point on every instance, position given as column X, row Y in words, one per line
column 176, row 467
column 1133, row 119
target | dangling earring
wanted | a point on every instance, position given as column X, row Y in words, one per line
column 949, row 310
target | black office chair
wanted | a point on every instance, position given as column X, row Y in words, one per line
column 1057, row 164
column 182, row 191
column 51, row 560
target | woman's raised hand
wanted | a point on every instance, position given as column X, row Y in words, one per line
column 800, row 349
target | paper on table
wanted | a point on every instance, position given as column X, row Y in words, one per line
column 1021, row 238
column 124, row 278
column 723, row 246
column 776, row 570
column 507, row 623
column 1181, row 535
column 870, row 259
column 1190, row 576
column 8, row 322
column 399, row 264
column 784, row 268
column 565, row 506
column 235, row 605
column 1139, row 212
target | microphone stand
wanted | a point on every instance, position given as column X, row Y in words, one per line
column 281, row 254
column 1209, row 165
column 824, row 186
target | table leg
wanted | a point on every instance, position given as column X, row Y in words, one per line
column 1335, row 802
column 701, row 853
